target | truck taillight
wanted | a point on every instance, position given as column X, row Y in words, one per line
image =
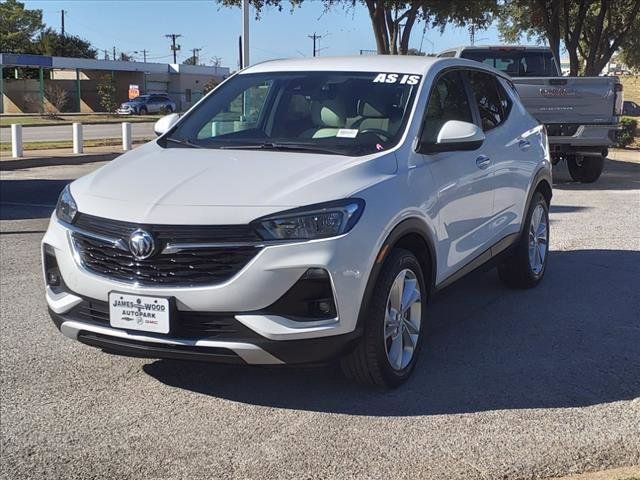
column 618, row 100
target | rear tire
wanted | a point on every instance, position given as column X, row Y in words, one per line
column 588, row 170
column 526, row 265
column 387, row 351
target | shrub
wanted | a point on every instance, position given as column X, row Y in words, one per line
column 107, row 93
column 57, row 98
column 627, row 133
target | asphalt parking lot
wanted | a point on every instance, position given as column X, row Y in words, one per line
column 511, row 384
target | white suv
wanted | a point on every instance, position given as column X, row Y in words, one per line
column 305, row 210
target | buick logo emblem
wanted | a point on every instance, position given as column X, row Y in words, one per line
column 141, row 244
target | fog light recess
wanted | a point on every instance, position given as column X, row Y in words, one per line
column 310, row 299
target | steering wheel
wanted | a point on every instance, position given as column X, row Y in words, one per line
column 381, row 134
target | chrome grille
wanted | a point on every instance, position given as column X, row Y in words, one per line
column 196, row 264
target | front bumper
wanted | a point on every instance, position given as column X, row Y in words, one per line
column 265, row 338
column 126, row 111
column 251, row 349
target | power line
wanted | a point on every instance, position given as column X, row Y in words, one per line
column 314, row 37
column 174, row 47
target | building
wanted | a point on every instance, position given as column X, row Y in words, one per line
column 79, row 78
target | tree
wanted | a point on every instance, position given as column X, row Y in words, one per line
column 18, row 27
column 106, row 88
column 210, row 85
column 606, row 26
column 534, row 19
column 630, row 50
column 392, row 21
column 591, row 30
column 190, row 61
column 57, row 97
column 52, row 43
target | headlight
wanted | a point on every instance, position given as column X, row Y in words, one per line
column 66, row 208
column 316, row 221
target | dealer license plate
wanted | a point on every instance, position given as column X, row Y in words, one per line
column 137, row 312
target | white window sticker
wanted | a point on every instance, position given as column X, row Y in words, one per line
column 347, row 133
column 400, row 78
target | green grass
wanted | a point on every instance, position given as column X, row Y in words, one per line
column 47, row 145
column 88, row 119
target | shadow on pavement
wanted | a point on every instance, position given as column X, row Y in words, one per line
column 574, row 341
column 617, row 175
column 29, row 198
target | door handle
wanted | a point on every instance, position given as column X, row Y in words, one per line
column 483, row 162
column 524, row 144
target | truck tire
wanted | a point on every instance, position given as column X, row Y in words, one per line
column 585, row 169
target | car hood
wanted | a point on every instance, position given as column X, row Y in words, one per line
column 181, row 185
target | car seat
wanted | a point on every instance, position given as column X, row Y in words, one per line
column 328, row 117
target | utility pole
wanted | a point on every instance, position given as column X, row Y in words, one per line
column 244, row 42
column 195, row 55
column 472, row 34
column 174, row 47
column 106, row 55
column 314, row 37
column 62, row 12
column 144, row 56
column 114, row 53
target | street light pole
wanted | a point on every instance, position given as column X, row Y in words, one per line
column 245, row 34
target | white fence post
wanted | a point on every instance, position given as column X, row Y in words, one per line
column 77, row 138
column 126, row 136
column 16, row 140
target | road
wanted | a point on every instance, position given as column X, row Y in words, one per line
column 64, row 132
column 511, row 384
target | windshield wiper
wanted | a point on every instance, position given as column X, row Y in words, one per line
column 179, row 141
column 283, row 146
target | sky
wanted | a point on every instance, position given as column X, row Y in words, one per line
column 133, row 25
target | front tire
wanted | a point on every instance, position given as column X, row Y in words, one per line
column 587, row 169
column 525, row 267
column 395, row 317
column 142, row 111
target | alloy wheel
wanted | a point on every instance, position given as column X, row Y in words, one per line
column 402, row 319
column 538, row 239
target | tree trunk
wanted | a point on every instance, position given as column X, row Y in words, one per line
column 595, row 40
column 393, row 26
column 406, row 33
column 379, row 24
column 572, row 35
column 553, row 30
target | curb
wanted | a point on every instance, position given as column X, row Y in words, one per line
column 64, row 124
column 49, row 161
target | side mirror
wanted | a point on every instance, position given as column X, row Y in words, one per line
column 455, row 135
column 163, row 124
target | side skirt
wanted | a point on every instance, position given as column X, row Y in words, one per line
column 487, row 259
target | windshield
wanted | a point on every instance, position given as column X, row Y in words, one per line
column 332, row 112
column 140, row 98
column 516, row 63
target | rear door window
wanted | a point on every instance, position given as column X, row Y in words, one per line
column 491, row 99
